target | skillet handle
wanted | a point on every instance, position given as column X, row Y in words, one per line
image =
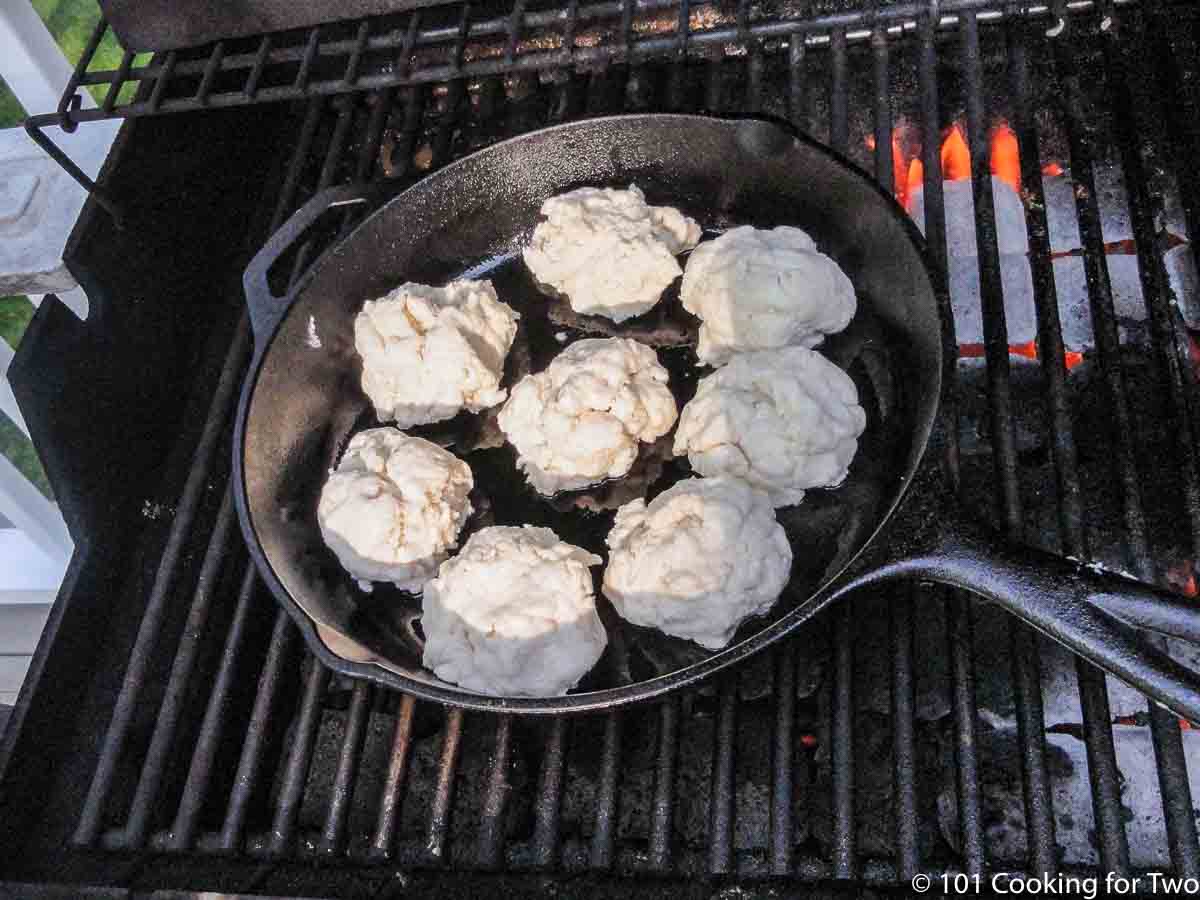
column 1089, row 611
column 266, row 307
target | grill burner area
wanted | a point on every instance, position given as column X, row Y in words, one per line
column 180, row 737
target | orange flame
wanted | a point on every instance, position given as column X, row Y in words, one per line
column 915, row 180
column 1006, row 157
column 956, row 156
column 1029, row 350
column 899, row 168
column 1181, row 578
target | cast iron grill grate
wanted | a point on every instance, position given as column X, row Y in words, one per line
column 449, row 42
column 453, row 41
column 866, row 749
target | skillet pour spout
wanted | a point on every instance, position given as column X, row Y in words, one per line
column 893, row 517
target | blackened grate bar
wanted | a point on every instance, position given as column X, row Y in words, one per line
column 109, row 103
column 960, row 629
column 604, row 835
column 167, row 72
column 360, row 44
column 904, row 756
column 663, row 808
column 549, row 795
column 250, row 762
column 995, row 329
column 841, row 732
column 838, row 90
column 256, row 69
column 1026, row 676
column 956, row 610
column 783, row 756
column 334, row 837
column 797, row 83
column 283, row 828
column 721, row 800
column 881, row 102
column 211, row 68
column 311, row 50
column 1039, row 811
column 392, row 794
column 195, row 788
column 491, row 835
column 439, row 813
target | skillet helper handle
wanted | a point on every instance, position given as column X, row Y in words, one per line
column 265, row 305
column 1078, row 606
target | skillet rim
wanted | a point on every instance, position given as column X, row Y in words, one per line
column 626, row 695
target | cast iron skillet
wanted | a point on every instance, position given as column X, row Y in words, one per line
column 893, row 517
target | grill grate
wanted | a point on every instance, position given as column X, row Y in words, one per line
column 771, row 770
column 447, row 43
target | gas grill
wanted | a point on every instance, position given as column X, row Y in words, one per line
column 175, row 736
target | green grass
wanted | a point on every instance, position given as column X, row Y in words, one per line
column 21, row 454
column 11, row 112
column 71, row 22
column 15, row 313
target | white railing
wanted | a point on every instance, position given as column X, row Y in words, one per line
column 38, row 208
